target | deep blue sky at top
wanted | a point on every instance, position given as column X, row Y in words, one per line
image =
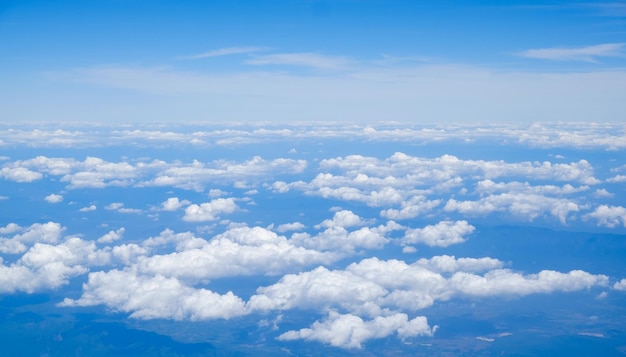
column 50, row 50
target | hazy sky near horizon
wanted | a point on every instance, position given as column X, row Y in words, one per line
column 338, row 60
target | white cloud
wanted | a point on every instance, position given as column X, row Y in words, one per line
column 312, row 60
column 372, row 284
column 506, row 282
column 343, row 218
column 450, row 264
column 601, row 192
column 226, row 51
column 173, row 204
column 119, row 207
column 89, row 208
column 617, row 178
column 20, row 174
column 114, row 206
column 414, row 207
column 520, row 205
column 195, row 175
column 49, row 232
column 609, row 216
column 54, row 198
column 45, row 266
column 155, row 297
column 295, row 226
column 209, row 211
column 584, row 54
column 10, row 228
column 442, row 234
column 620, row 285
column 112, row 236
column 238, row 251
column 350, row 331
column 338, row 238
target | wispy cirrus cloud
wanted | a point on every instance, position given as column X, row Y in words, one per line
column 303, row 59
column 583, row 54
column 226, row 51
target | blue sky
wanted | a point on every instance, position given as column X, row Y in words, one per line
column 279, row 61
column 312, row 177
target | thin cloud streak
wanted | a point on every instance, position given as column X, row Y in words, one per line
column 305, row 59
column 584, row 54
column 225, row 52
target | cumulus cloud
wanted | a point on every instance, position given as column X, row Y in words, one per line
column 20, row 174
column 442, row 234
column 94, row 172
column 520, row 205
column 53, row 198
column 173, row 204
column 616, row 179
column 236, row 252
column 620, row 285
column 343, row 218
column 154, row 297
column 195, row 175
column 112, row 236
column 210, row 211
column 506, row 282
column 350, row 331
column 49, row 266
column 49, row 232
column 286, row 227
column 372, row 285
column 338, row 238
column 119, row 207
column 414, row 207
column 89, row 208
column 609, row 216
column 450, row 264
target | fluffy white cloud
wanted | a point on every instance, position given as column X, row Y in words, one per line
column 450, row 264
column 609, row 216
column 197, row 174
column 47, row 266
column 209, row 211
column 350, row 331
column 295, row 226
column 112, row 236
column 442, row 234
column 372, row 285
column 414, row 207
column 88, row 208
column 506, row 282
column 119, row 207
column 20, row 174
column 238, row 251
column 337, row 238
column 45, row 233
column 151, row 297
column 94, row 172
column 617, row 178
column 53, row 198
column 620, row 285
column 447, row 167
column 521, row 205
column 173, row 204
column 343, row 218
